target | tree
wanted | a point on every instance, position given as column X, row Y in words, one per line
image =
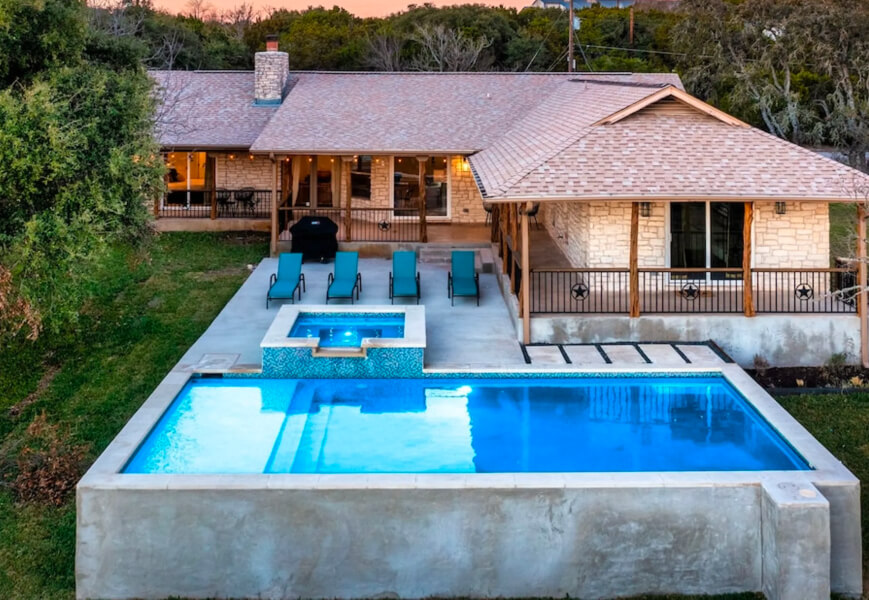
column 443, row 49
column 80, row 163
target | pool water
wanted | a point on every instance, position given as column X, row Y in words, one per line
column 347, row 330
column 461, row 426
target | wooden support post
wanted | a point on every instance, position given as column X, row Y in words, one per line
column 210, row 184
column 747, row 282
column 347, row 196
column 634, row 277
column 861, row 284
column 273, row 246
column 423, row 234
column 514, row 238
column 157, row 200
column 525, row 281
column 502, row 225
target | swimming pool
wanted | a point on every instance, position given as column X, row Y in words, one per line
column 347, row 330
column 623, row 424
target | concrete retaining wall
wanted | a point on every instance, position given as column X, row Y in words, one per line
column 781, row 340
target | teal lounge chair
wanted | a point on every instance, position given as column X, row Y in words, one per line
column 346, row 280
column 462, row 279
column 288, row 279
column 404, row 278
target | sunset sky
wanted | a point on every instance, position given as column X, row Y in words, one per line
column 362, row 8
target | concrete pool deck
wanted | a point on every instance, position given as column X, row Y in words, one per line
column 460, row 336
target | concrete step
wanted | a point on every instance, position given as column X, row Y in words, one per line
column 438, row 255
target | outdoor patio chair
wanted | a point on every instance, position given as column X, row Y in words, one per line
column 463, row 280
column 288, row 279
column 404, row 278
column 346, row 280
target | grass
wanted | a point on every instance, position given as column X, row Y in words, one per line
column 144, row 315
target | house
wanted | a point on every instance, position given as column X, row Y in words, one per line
column 660, row 217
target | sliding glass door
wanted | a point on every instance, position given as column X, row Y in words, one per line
column 706, row 234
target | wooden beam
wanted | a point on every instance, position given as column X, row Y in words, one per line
column 861, row 285
column 423, row 233
column 525, row 281
column 514, row 238
column 747, row 283
column 502, row 228
column 273, row 246
column 633, row 259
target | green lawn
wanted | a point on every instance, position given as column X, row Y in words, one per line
column 66, row 397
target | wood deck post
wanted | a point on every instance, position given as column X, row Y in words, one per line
column 347, row 196
column 423, row 234
column 502, row 226
column 861, row 285
column 634, row 276
column 273, row 246
column 525, row 281
column 747, row 282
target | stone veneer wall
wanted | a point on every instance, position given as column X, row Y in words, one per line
column 244, row 172
column 597, row 234
column 798, row 239
column 467, row 204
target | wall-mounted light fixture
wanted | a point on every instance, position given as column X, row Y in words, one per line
column 645, row 209
column 232, row 157
column 466, row 166
column 250, row 156
column 781, row 208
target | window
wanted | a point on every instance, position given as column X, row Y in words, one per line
column 185, row 177
column 706, row 234
column 360, row 177
column 406, row 184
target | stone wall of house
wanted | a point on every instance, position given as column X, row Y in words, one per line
column 800, row 238
column 467, row 203
column 597, row 234
column 242, row 171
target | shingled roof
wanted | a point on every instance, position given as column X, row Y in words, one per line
column 667, row 145
column 208, row 109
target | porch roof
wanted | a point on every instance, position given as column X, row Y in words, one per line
column 666, row 145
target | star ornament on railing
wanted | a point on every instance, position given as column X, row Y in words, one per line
column 384, row 225
column 579, row 291
column 804, row 292
column 690, row 291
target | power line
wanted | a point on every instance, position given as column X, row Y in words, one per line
column 545, row 39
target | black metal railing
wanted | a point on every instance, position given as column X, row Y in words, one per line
column 579, row 291
column 804, row 290
column 669, row 290
column 690, row 290
column 364, row 224
column 244, row 203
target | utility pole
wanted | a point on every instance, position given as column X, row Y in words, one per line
column 570, row 60
column 631, row 28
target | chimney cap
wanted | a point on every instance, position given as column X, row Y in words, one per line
column 272, row 42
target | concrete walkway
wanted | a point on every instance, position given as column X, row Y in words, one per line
column 626, row 355
column 459, row 336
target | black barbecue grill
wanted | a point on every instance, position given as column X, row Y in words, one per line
column 315, row 237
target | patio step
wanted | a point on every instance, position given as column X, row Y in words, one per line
column 440, row 255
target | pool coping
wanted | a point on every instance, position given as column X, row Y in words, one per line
column 827, row 471
column 277, row 335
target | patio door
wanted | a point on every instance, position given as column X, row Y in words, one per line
column 706, row 235
column 406, row 186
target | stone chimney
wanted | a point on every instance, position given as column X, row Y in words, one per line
column 272, row 71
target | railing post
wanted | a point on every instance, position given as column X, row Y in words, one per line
column 634, row 276
column 158, row 200
column 423, row 234
column 747, row 282
column 525, row 280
